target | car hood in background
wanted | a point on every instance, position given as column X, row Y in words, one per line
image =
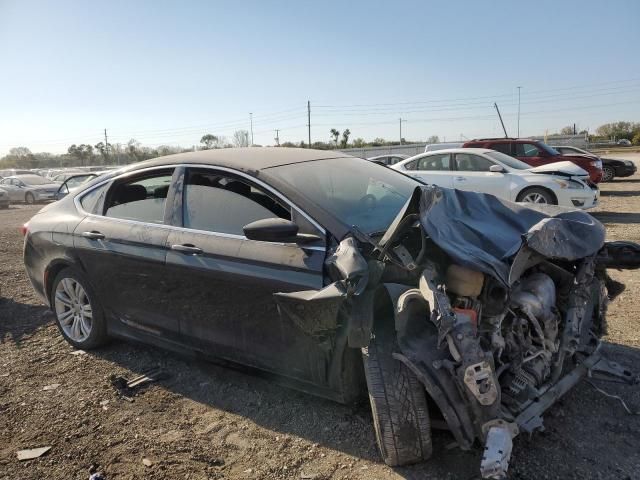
column 567, row 168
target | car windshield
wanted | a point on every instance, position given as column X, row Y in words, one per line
column 33, row 180
column 547, row 148
column 508, row 161
column 355, row 191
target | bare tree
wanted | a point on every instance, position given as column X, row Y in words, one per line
column 241, row 138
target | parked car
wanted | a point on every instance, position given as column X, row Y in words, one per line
column 624, row 142
column 5, row 201
column 388, row 160
column 29, row 188
column 321, row 269
column 74, row 182
column 8, row 172
column 611, row 167
column 536, row 153
column 489, row 171
column 433, row 147
column 61, row 177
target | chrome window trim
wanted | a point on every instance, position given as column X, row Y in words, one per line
column 78, row 198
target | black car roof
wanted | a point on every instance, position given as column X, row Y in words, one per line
column 249, row 159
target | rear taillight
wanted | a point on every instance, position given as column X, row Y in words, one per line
column 24, row 229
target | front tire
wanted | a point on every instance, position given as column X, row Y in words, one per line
column 536, row 195
column 29, row 198
column 78, row 314
column 608, row 174
column 398, row 405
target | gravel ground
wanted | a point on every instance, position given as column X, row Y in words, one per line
column 207, row 422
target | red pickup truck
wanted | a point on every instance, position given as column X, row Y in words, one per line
column 536, row 153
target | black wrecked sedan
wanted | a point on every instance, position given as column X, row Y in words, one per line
column 341, row 278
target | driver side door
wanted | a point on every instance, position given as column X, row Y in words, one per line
column 473, row 174
column 222, row 285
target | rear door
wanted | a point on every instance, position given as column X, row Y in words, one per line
column 121, row 246
column 222, row 284
column 434, row 169
column 15, row 194
column 473, row 174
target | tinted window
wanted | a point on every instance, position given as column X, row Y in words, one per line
column 527, row 150
column 141, row 199
column 502, row 147
column 472, row 163
column 435, row 162
column 354, row 191
column 225, row 204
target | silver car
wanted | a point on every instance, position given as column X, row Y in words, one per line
column 4, row 198
column 29, row 188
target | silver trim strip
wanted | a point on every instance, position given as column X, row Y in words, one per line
column 78, row 198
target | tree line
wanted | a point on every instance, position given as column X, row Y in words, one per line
column 109, row 154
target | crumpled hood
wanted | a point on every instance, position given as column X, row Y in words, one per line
column 562, row 168
column 495, row 236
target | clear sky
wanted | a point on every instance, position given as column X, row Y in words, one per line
column 168, row 72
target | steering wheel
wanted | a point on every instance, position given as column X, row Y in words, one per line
column 369, row 201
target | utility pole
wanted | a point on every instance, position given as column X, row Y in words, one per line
column 309, row 120
column 518, row 112
column 106, row 146
column 501, row 122
column 400, row 121
column 251, row 122
column 277, row 137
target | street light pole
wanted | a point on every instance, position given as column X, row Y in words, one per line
column 251, row 122
column 400, row 121
column 519, row 111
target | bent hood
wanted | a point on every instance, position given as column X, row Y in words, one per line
column 561, row 168
column 498, row 237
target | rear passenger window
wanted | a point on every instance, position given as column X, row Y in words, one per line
column 142, row 199
column 91, row 200
column 502, row 147
column 435, row 162
column 225, row 204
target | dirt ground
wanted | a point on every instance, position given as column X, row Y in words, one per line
column 207, row 422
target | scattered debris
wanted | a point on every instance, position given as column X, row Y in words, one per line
column 147, row 462
column 78, row 352
column 31, row 453
column 128, row 388
column 97, row 476
column 4, row 374
column 53, row 386
column 249, row 470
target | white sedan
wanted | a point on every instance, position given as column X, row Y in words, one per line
column 489, row 171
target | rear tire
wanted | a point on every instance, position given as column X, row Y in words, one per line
column 398, row 405
column 29, row 198
column 608, row 174
column 536, row 195
column 78, row 313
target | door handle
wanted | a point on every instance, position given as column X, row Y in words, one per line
column 93, row 235
column 461, row 179
column 187, row 249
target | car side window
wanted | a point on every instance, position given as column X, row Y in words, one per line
column 90, row 200
column 472, row 163
column 141, row 199
column 411, row 165
column 527, row 150
column 502, row 147
column 221, row 203
column 394, row 160
column 439, row 162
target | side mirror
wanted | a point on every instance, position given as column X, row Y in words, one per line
column 496, row 169
column 271, row 230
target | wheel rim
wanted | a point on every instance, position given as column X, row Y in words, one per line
column 29, row 198
column 534, row 197
column 73, row 309
column 607, row 174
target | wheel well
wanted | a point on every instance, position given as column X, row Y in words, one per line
column 548, row 190
column 50, row 274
